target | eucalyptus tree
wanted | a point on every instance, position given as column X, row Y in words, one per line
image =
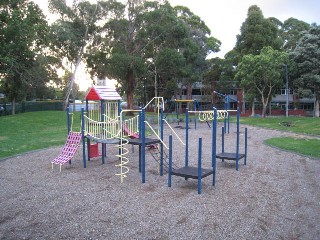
column 196, row 47
column 291, row 31
column 23, row 66
column 150, row 40
column 74, row 31
column 257, row 32
column 162, row 34
column 119, row 53
column 261, row 75
column 306, row 56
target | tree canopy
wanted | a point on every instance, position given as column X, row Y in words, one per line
column 134, row 44
column 24, row 67
column 307, row 58
column 256, row 32
column 261, row 75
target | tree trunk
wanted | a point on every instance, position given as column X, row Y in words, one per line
column 252, row 109
column 13, row 104
column 188, row 94
column 316, row 108
column 264, row 109
column 130, row 88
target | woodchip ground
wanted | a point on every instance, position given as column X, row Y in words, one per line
column 275, row 196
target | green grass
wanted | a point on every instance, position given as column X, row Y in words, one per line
column 300, row 125
column 304, row 146
column 33, row 130
column 304, row 125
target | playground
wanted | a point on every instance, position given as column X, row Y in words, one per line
column 275, row 196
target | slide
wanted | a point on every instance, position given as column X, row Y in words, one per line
column 128, row 132
column 131, row 135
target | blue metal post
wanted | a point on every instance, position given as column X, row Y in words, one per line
column 143, row 146
column 170, row 161
column 83, row 140
column 140, row 136
column 161, row 145
column 87, row 107
column 119, row 107
column 222, row 145
column 195, row 109
column 237, row 144
column 214, row 145
column 199, row 165
column 186, row 163
column 245, row 145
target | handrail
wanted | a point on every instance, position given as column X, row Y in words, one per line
column 162, row 102
column 174, row 132
column 156, row 134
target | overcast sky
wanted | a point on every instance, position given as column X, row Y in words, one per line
column 225, row 17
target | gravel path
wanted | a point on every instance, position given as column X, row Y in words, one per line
column 275, row 196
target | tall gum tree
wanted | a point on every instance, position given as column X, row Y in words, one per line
column 73, row 32
column 134, row 41
column 257, row 32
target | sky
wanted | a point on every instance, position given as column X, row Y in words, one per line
column 225, row 17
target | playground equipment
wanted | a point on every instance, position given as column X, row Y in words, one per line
column 199, row 172
column 104, row 123
column 100, row 123
column 71, row 146
column 174, row 105
column 236, row 156
column 195, row 172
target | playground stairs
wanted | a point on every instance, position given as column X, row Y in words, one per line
column 156, row 154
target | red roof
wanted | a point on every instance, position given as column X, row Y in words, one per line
column 102, row 93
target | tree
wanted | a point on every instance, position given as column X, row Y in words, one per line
column 219, row 78
column 119, row 54
column 291, row 31
column 73, row 32
column 307, row 58
column 136, row 41
column 196, row 47
column 24, row 67
column 257, row 32
column 261, row 75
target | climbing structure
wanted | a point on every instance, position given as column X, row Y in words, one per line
column 102, row 125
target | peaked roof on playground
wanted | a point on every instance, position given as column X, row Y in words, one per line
column 102, row 93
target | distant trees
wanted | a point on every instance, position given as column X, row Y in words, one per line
column 151, row 48
column 259, row 56
column 256, row 32
column 261, row 75
column 25, row 68
column 307, row 58
column 142, row 42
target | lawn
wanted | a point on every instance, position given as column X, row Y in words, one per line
column 303, row 125
column 33, row 130
column 37, row 130
column 305, row 146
